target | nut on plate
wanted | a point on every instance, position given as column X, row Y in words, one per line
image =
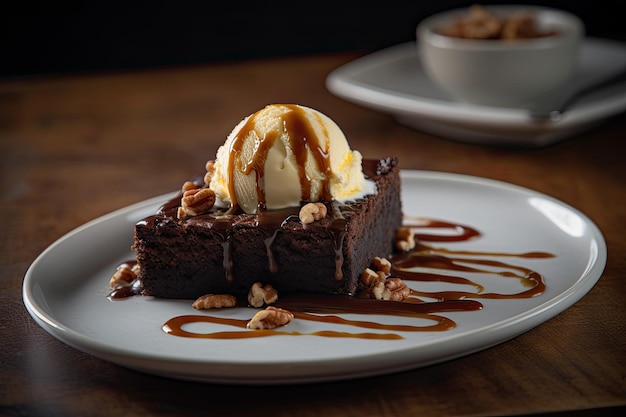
column 124, row 276
column 393, row 289
column 379, row 285
column 270, row 318
column 260, row 295
column 382, row 264
column 369, row 277
column 405, row 240
column 209, row 301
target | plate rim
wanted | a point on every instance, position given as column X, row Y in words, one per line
column 110, row 352
column 411, row 108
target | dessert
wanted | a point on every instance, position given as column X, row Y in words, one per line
column 290, row 221
column 286, row 204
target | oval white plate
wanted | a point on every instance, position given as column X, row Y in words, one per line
column 392, row 80
column 66, row 286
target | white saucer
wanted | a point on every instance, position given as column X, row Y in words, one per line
column 392, row 80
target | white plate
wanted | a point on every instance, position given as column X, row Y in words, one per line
column 65, row 291
column 393, row 81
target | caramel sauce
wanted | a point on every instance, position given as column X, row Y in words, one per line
column 425, row 263
column 323, row 309
column 175, row 325
column 302, row 139
column 413, row 265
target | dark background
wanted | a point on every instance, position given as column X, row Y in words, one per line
column 58, row 37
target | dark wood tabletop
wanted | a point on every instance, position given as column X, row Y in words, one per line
column 75, row 147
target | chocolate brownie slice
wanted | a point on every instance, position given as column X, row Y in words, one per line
column 221, row 252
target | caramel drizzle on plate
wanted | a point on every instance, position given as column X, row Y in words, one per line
column 417, row 265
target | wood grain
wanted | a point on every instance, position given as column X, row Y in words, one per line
column 74, row 148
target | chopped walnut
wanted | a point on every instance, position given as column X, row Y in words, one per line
column 405, row 240
column 124, row 276
column 482, row 23
column 519, row 26
column 370, row 277
column 260, row 295
column 382, row 264
column 311, row 212
column 380, row 286
column 393, row 289
column 195, row 202
column 209, row 301
column 270, row 318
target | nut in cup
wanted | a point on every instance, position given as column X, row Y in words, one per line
column 501, row 72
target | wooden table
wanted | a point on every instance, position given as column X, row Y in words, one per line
column 76, row 147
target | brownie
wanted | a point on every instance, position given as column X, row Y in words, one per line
column 222, row 252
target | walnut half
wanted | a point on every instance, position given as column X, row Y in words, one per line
column 209, row 301
column 270, row 318
column 195, row 202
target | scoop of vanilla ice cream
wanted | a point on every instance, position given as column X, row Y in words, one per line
column 285, row 154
